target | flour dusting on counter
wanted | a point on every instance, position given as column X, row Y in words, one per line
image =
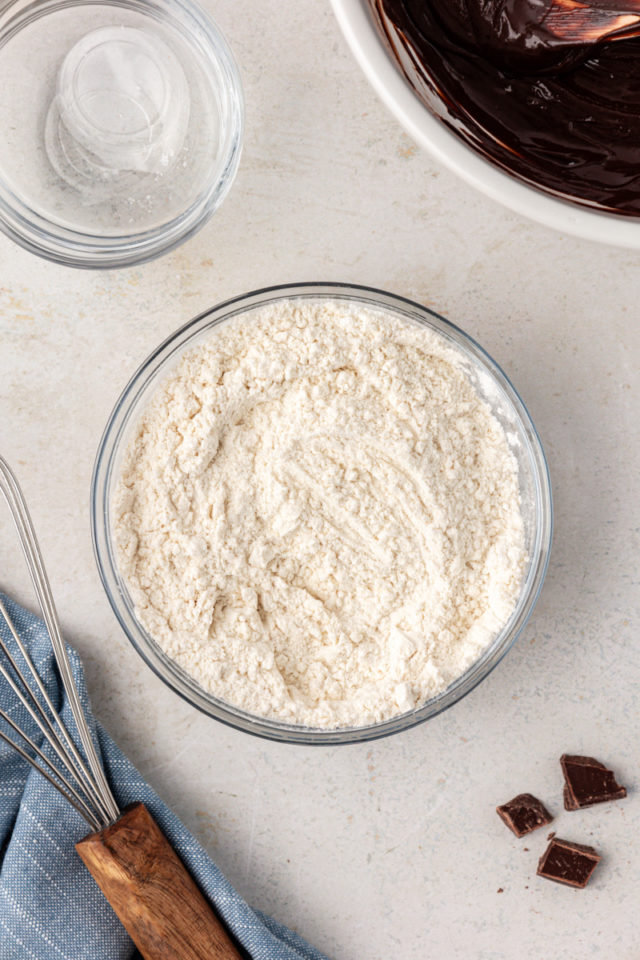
column 318, row 517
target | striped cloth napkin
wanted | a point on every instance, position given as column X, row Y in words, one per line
column 50, row 907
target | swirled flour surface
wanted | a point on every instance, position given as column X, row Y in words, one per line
column 318, row 518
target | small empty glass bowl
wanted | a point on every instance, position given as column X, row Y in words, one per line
column 492, row 385
column 122, row 127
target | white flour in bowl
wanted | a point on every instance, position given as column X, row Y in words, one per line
column 318, row 518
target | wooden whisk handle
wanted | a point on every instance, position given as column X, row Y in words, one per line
column 152, row 893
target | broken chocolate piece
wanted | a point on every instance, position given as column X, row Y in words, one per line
column 569, row 802
column 523, row 814
column 588, row 781
column 568, row 863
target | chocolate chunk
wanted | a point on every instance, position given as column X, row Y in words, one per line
column 569, row 863
column 569, row 802
column 588, row 781
column 523, row 814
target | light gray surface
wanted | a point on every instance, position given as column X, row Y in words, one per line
column 391, row 849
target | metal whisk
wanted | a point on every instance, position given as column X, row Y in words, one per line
column 133, row 863
column 84, row 785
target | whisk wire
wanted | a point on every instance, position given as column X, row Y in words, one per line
column 44, row 726
column 47, row 605
column 60, row 789
column 18, row 683
column 37, row 713
column 91, row 781
column 68, row 791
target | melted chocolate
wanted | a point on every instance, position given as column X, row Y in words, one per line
column 565, row 119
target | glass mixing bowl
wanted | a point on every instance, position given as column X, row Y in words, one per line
column 121, row 127
column 490, row 382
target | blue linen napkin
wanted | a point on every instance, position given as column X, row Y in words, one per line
column 50, row 906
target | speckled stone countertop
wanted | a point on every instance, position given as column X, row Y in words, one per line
column 391, row 849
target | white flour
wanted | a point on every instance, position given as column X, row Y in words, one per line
column 319, row 518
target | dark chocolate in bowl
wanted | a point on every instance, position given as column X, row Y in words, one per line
column 566, row 122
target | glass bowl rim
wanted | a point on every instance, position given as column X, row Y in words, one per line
column 91, row 251
column 173, row 676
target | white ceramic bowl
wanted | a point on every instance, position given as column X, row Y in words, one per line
column 358, row 26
